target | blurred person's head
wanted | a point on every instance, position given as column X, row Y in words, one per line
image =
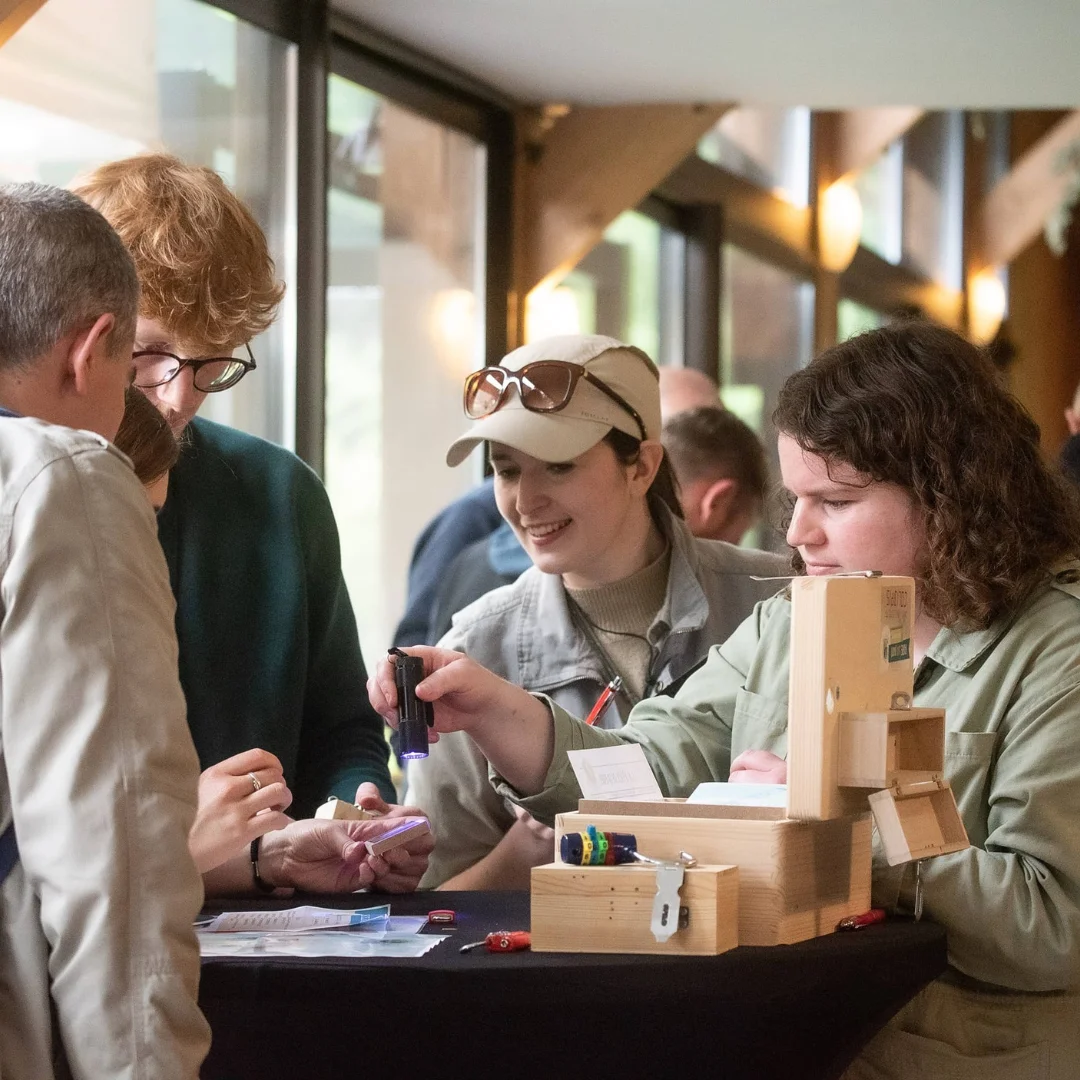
column 722, row 473
column 904, row 454
column 573, row 426
column 208, row 282
column 686, row 388
column 68, row 302
column 145, row 436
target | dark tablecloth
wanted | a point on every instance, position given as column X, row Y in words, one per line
column 790, row 1011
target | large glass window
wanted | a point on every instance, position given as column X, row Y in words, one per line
column 912, row 198
column 767, row 332
column 629, row 287
column 768, row 147
column 933, row 197
column 172, row 74
column 880, row 188
column 404, row 328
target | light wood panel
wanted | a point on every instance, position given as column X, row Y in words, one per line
column 608, row 909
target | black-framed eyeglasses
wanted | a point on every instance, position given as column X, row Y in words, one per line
column 209, row 375
column 544, row 386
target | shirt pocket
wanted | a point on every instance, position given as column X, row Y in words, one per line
column 760, row 723
column 969, row 756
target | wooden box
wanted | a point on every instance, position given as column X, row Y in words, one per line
column 608, row 909
column 878, row 750
column 797, row 879
column 918, row 820
column 850, row 721
column 850, row 653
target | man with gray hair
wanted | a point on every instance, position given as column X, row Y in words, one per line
column 98, row 959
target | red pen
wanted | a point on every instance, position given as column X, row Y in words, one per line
column 604, row 700
column 857, row 922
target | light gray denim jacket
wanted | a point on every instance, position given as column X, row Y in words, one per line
column 525, row 633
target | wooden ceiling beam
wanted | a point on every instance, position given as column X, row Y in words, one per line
column 13, row 13
column 580, row 168
column 862, row 135
column 1014, row 211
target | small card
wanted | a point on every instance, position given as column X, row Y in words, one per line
column 615, row 772
column 292, row 920
column 410, row 830
column 739, row 794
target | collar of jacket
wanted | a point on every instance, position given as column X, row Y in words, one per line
column 957, row 651
column 547, row 629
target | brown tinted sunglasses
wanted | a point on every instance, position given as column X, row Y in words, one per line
column 544, row 386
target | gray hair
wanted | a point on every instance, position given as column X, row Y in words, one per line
column 61, row 267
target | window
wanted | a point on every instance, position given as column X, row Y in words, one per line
column 853, row 318
column 912, row 199
column 172, row 74
column 404, row 328
column 768, row 147
column 767, row 332
column 933, row 197
column 880, row 188
column 629, row 287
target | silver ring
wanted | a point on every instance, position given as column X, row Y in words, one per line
column 255, row 782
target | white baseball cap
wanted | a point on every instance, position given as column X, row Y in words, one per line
column 587, row 417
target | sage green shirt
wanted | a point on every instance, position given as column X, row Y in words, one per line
column 1011, row 902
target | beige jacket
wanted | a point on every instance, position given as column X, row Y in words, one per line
column 98, row 960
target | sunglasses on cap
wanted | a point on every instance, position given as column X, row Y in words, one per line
column 544, row 386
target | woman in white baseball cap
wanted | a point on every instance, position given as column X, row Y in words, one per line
column 619, row 588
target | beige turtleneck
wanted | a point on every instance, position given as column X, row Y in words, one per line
column 620, row 614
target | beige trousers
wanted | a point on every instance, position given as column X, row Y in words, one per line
column 950, row 1033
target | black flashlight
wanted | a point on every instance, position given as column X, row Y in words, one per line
column 414, row 716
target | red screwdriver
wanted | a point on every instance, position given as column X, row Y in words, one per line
column 501, row 941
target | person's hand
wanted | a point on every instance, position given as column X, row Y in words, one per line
column 322, row 856
column 368, row 798
column 758, row 767
column 232, row 811
column 534, row 837
column 463, row 693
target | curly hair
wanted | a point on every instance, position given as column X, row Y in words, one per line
column 202, row 260
column 917, row 405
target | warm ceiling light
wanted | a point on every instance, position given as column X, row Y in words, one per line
column 551, row 311
column 986, row 305
column 839, row 219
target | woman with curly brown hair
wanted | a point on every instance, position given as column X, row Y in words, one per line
column 901, row 453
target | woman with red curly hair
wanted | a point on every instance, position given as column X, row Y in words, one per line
column 901, row 453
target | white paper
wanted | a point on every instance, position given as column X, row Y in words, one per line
column 317, row 943
column 614, row 772
column 296, row 919
column 740, row 794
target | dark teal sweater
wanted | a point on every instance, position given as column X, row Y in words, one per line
column 269, row 654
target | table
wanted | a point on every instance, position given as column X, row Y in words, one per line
column 789, row 1011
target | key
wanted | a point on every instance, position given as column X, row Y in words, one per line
column 665, row 912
